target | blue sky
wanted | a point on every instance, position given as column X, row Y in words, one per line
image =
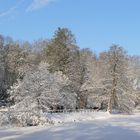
column 97, row 24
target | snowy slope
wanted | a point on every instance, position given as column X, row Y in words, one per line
column 113, row 127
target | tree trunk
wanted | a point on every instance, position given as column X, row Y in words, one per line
column 109, row 108
column 111, row 101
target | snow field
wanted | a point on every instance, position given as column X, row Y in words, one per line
column 87, row 126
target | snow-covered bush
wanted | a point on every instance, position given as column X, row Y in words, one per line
column 41, row 89
column 3, row 119
column 22, row 119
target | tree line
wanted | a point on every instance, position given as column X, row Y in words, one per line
column 56, row 74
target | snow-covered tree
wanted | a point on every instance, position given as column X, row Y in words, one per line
column 120, row 91
column 2, row 70
column 44, row 89
column 63, row 55
column 90, row 75
column 134, row 71
column 111, row 85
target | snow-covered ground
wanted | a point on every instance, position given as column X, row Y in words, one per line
column 98, row 126
column 84, row 115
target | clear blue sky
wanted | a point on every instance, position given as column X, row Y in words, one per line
column 97, row 24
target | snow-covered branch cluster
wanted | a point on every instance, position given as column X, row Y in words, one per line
column 44, row 90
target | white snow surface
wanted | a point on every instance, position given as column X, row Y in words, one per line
column 97, row 126
column 76, row 116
